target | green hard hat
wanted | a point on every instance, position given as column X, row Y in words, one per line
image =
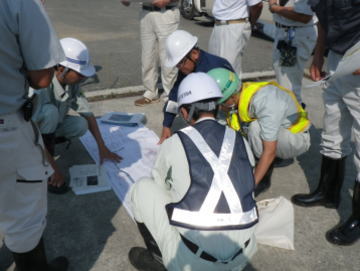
column 227, row 80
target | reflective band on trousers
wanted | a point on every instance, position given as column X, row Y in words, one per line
column 221, row 183
column 246, row 95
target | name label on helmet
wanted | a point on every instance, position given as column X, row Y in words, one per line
column 183, row 95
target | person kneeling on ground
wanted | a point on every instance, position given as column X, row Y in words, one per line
column 269, row 115
column 197, row 212
column 53, row 104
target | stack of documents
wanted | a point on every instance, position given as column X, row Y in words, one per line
column 85, row 179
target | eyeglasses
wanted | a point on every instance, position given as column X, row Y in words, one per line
column 182, row 62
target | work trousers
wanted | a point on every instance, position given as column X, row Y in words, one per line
column 289, row 145
column 49, row 122
column 304, row 40
column 155, row 27
column 149, row 201
column 23, row 184
column 342, row 115
column 229, row 41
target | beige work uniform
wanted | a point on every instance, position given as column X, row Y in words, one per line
column 149, row 197
column 28, row 42
column 155, row 27
column 303, row 38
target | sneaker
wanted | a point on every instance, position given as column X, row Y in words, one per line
column 142, row 259
column 145, row 101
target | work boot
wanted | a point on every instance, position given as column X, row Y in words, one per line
column 328, row 191
column 348, row 232
column 265, row 182
column 142, row 259
column 35, row 260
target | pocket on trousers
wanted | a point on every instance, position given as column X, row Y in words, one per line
column 33, row 174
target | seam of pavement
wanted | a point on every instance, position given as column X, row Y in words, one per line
column 104, row 94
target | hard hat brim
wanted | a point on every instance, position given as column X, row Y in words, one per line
column 88, row 71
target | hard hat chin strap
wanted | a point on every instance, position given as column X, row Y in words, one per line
column 62, row 75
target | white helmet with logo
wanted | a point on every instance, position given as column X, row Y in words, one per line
column 178, row 45
column 196, row 87
column 77, row 57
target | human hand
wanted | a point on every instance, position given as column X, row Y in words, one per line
column 106, row 154
column 357, row 72
column 125, row 2
column 272, row 5
column 166, row 133
column 160, row 3
column 57, row 179
column 316, row 72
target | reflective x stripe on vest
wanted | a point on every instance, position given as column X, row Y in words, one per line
column 205, row 217
column 246, row 95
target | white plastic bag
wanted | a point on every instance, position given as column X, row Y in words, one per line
column 276, row 223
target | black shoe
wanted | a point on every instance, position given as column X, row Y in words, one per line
column 328, row 191
column 35, row 260
column 345, row 234
column 349, row 232
column 58, row 190
column 142, row 259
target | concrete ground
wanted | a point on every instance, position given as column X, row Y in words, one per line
column 95, row 232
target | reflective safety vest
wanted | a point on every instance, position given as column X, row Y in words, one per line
column 220, row 196
column 248, row 91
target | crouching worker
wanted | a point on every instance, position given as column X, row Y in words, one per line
column 53, row 104
column 198, row 210
column 276, row 124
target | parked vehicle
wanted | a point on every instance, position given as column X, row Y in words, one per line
column 196, row 8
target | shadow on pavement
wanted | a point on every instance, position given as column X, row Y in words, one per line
column 310, row 162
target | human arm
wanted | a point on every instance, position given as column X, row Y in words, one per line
column 104, row 152
column 318, row 58
column 255, row 12
column 289, row 12
column 40, row 78
column 57, row 179
column 266, row 158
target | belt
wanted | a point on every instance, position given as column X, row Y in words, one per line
column 292, row 26
column 237, row 21
column 154, row 8
column 206, row 256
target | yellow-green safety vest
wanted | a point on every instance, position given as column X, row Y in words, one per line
column 248, row 91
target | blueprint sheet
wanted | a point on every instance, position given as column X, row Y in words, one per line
column 138, row 147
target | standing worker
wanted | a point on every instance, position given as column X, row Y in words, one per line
column 183, row 53
column 198, row 210
column 294, row 42
column 159, row 18
column 232, row 29
column 29, row 49
column 277, row 124
column 339, row 30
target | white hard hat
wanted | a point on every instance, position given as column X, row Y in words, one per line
column 196, row 87
column 77, row 57
column 178, row 44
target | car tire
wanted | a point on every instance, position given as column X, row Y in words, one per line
column 187, row 9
